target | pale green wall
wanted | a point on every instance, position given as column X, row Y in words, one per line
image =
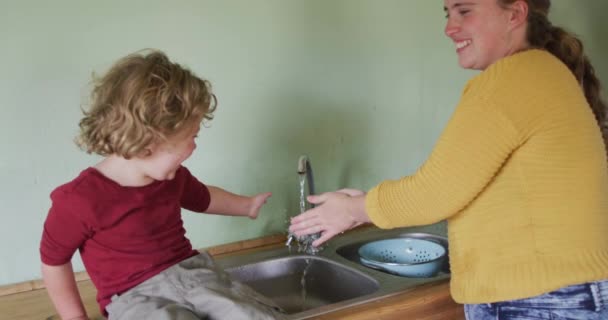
column 361, row 86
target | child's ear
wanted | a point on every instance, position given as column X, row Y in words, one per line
column 146, row 152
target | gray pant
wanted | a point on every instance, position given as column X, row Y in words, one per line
column 193, row 289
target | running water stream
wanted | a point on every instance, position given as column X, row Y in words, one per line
column 304, row 243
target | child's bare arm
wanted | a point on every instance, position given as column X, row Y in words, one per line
column 61, row 286
column 227, row 203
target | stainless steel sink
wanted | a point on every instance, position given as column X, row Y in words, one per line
column 299, row 283
column 305, row 286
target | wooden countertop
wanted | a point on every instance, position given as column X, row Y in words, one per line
column 29, row 300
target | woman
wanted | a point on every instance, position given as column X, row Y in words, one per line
column 520, row 172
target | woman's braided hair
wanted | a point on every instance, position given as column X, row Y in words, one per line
column 541, row 33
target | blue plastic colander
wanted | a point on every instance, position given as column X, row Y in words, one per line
column 406, row 257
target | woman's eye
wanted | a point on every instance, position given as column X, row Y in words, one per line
column 461, row 12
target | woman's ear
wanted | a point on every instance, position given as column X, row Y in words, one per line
column 518, row 11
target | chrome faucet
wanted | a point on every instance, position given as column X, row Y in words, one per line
column 305, row 169
column 306, row 178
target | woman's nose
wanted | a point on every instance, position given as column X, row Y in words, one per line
column 451, row 27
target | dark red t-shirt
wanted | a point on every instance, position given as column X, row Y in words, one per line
column 125, row 235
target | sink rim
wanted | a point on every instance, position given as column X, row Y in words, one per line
column 307, row 257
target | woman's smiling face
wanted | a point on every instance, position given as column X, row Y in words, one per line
column 483, row 31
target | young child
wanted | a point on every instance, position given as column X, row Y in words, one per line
column 123, row 214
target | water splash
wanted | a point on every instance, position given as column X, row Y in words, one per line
column 304, row 242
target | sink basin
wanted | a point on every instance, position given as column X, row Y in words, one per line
column 299, row 283
column 307, row 286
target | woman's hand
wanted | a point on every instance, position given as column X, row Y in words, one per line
column 351, row 192
column 335, row 213
column 257, row 201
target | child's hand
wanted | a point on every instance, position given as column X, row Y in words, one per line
column 257, row 202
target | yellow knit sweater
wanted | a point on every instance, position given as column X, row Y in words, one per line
column 520, row 174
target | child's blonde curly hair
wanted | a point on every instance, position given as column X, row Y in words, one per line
column 143, row 99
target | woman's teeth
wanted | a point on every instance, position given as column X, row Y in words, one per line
column 462, row 44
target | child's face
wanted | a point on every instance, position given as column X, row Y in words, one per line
column 166, row 157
